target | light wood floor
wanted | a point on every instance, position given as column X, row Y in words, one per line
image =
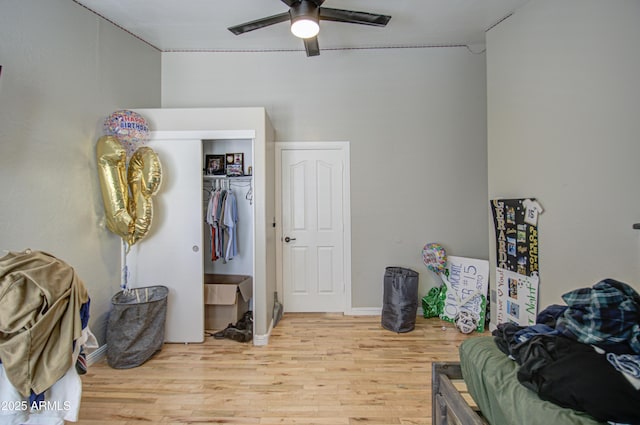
column 317, row 369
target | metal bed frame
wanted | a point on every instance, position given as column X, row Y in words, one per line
column 448, row 405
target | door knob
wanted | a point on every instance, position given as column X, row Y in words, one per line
column 287, row 239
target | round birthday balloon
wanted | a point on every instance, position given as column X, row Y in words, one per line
column 434, row 257
column 129, row 127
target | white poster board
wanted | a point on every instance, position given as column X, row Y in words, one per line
column 517, row 297
column 466, row 288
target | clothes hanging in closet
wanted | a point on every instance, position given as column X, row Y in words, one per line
column 222, row 217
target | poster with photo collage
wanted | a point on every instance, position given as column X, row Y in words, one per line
column 516, row 229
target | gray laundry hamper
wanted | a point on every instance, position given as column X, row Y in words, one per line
column 135, row 329
column 400, row 300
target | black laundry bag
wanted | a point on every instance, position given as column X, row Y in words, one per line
column 135, row 329
column 400, row 300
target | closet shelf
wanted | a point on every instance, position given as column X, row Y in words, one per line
column 223, row 177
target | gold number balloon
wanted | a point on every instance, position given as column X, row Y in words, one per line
column 144, row 176
column 112, row 169
column 127, row 196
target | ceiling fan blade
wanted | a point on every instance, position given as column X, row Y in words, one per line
column 259, row 23
column 353, row 17
column 318, row 2
column 311, row 46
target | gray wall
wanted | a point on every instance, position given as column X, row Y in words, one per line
column 562, row 124
column 561, row 78
column 63, row 72
column 416, row 120
column 563, row 105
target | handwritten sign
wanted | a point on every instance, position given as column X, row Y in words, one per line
column 466, row 289
column 516, row 229
column 517, row 297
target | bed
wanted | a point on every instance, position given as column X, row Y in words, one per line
column 490, row 379
column 579, row 364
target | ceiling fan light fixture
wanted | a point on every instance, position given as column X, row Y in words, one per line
column 305, row 17
column 305, row 27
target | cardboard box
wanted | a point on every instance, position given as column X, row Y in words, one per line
column 226, row 299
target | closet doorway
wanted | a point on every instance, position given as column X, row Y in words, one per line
column 313, row 198
column 231, row 153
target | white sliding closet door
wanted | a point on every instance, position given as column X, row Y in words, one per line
column 171, row 254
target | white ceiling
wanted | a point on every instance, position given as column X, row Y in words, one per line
column 201, row 25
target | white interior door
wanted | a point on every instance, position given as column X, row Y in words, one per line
column 313, row 230
column 171, row 254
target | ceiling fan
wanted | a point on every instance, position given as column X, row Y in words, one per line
column 305, row 16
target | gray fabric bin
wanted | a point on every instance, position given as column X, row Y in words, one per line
column 135, row 329
column 400, row 301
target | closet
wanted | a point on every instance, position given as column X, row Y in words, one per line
column 228, row 230
column 177, row 251
column 238, row 261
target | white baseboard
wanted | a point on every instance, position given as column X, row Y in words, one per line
column 96, row 355
column 262, row 340
column 364, row 311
